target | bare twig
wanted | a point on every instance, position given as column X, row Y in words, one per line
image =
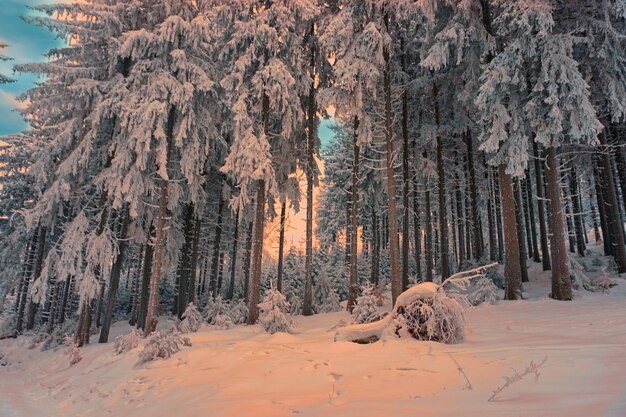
column 462, row 372
column 532, row 368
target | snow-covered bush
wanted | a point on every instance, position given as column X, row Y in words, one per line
column 223, row 322
column 325, row 297
column 484, row 291
column 73, row 351
column 440, row 319
column 7, row 323
column 59, row 333
column 163, row 344
column 365, row 310
column 215, row 307
column 580, row 280
column 238, row 312
column 192, row 319
column 127, row 342
column 273, row 313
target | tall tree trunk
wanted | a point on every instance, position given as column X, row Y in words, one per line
column 115, row 278
column 429, row 233
column 417, row 236
column 307, row 305
column 443, row 214
column 459, row 216
column 396, row 281
column 353, row 290
column 512, row 268
column 531, row 218
column 604, row 221
column 561, row 282
column 568, row 220
column 499, row 216
column 375, row 259
column 152, row 314
column 519, row 220
column 476, row 244
column 526, row 212
column 41, row 246
column 184, row 263
column 233, row 255
column 491, row 220
column 27, row 269
column 405, row 178
column 612, row 207
column 145, row 282
column 254, row 288
column 217, row 242
column 541, row 204
column 195, row 255
column 247, row 263
column 578, row 214
column 281, row 245
column 594, row 219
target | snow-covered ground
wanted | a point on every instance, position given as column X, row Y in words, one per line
column 245, row 372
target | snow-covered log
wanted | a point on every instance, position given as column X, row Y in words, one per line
column 422, row 291
column 363, row 333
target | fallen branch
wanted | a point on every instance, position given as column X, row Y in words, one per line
column 532, row 368
column 461, row 372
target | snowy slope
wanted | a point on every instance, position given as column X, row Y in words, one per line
column 245, row 372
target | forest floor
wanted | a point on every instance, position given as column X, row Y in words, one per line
column 245, row 372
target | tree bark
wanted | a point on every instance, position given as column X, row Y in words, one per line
column 233, row 255
column 531, row 218
column 519, row 220
column 541, row 205
column 217, row 242
column 512, row 268
column 561, row 282
column 152, row 314
column 307, row 305
column 145, row 282
column 396, row 281
column 476, row 244
column 441, row 176
column 405, row 178
column 353, row 290
column 429, row 232
column 578, row 221
column 612, row 207
column 115, row 278
column 259, row 227
column 281, row 245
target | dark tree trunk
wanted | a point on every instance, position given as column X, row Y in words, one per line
column 254, row 289
column 233, row 254
column 281, row 246
column 476, row 244
column 115, row 278
column 27, row 269
column 145, row 282
column 594, row 219
column 459, row 218
column 612, row 208
column 184, row 263
column 375, row 260
column 578, row 212
column 405, row 178
column 524, row 198
column 498, row 209
column 512, row 268
column 541, row 204
column 41, row 246
column 568, row 220
column 67, row 286
column 152, row 314
column 443, row 214
column 217, row 242
column 353, row 290
column 561, row 282
column 429, row 233
column 493, row 243
column 519, row 220
column 531, row 218
column 195, row 254
column 396, row 279
column 247, row 263
column 307, row 305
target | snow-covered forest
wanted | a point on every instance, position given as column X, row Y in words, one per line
column 467, row 215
